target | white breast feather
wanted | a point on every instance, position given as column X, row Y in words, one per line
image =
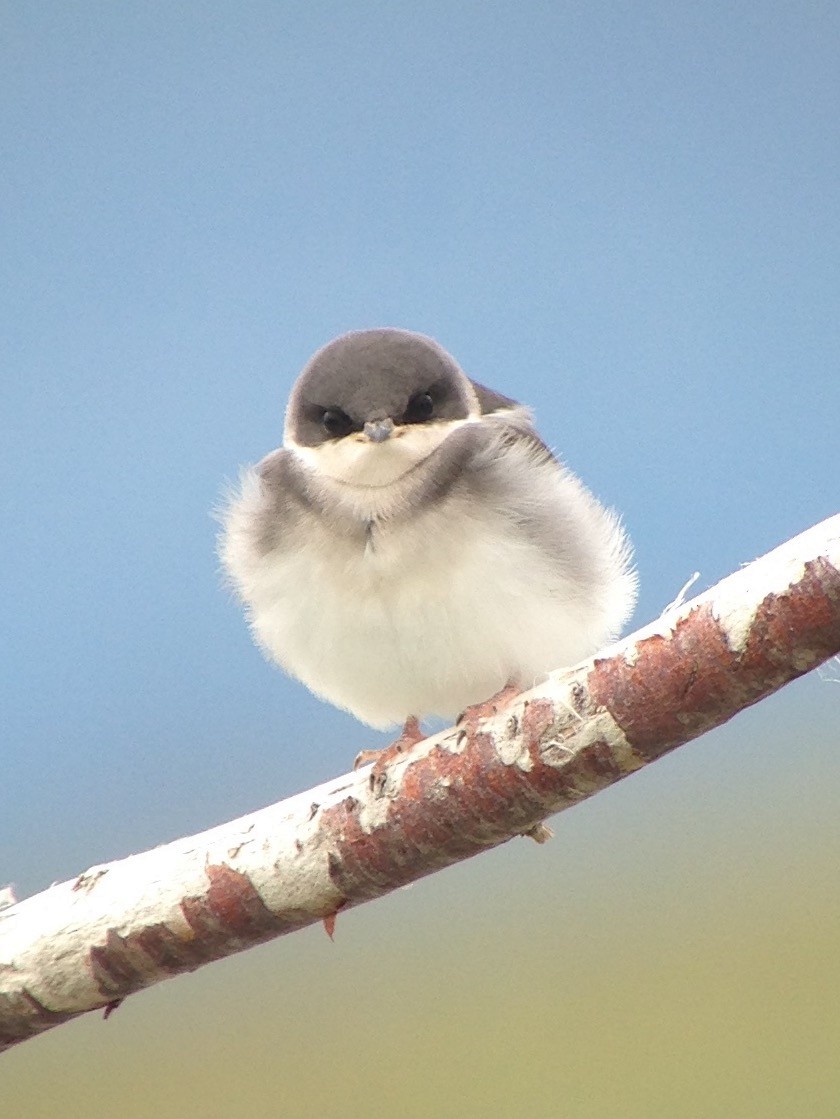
column 444, row 608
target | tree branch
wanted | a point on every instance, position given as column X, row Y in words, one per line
column 122, row 926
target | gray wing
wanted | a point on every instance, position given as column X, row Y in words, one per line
column 284, row 481
column 490, row 400
column 272, row 509
column 265, row 509
column 514, row 414
column 511, row 471
column 473, row 458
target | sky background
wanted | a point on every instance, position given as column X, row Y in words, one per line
column 625, row 215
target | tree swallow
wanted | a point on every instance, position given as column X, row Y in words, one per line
column 414, row 546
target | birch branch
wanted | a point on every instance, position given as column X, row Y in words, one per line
column 89, row 942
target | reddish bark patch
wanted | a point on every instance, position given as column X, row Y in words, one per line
column 124, row 964
column 444, row 811
column 451, row 805
column 795, row 632
column 231, row 915
column 23, row 1016
column 666, row 695
column 681, row 686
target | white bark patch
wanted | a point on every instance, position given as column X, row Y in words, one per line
column 510, row 747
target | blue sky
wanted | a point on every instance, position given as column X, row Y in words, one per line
column 627, row 219
column 625, row 215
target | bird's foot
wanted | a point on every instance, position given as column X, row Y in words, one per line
column 409, row 736
column 469, row 718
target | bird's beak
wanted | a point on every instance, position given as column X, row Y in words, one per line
column 377, row 431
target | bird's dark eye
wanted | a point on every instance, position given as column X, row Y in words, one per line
column 336, row 423
column 420, row 408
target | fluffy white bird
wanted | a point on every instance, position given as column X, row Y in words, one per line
column 414, row 547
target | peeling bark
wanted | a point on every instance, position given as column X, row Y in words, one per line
column 89, row 943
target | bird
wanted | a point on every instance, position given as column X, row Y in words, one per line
column 414, row 549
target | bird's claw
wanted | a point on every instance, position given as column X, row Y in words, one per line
column 410, row 735
column 469, row 718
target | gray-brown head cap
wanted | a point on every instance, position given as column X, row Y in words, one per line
column 374, row 375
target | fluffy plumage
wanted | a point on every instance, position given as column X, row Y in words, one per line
column 415, row 568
